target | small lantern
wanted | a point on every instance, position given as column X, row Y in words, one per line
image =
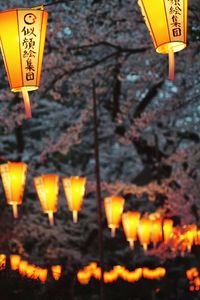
column 114, row 206
column 13, row 176
column 23, row 267
column 74, row 188
column 2, row 261
column 43, row 273
column 56, row 271
column 47, row 190
column 22, row 36
column 167, row 229
column 130, row 222
column 84, row 277
column 15, row 262
column 166, row 21
column 156, row 234
column 144, row 232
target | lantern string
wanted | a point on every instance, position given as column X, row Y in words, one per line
column 171, row 64
column 75, row 216
column 51, row 219
column 15, row 210
column 27, row 105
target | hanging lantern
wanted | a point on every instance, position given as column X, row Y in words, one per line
column 56, row 271
column 43, row 273
column 156, row 234
column 23, row 267
column 144, row 232
column 13, row 176
column 22, row 36
column 47, row 190
column 167, row 229
column 15, row 261
column 114, row 206
column 166, row 21
column 130, row 222
column 2, row 261
column 74, row 188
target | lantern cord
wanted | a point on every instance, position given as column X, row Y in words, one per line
column 98, row 189
column 51, row 219
column 171, row 64
column 15, row 210
column 113, row 230
column 75, row 216
column 27, row 105
column 131, row 243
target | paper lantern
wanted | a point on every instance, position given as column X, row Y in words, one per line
column 156, row 233
column 130, row 222
column 166, row 21
column 74, row 188
column 23, row 267
column 144, row 232
column 190, row 236
column 13, row 176
column 14, row 262
column 43, row 273
column 22, row 35
column 83, row 277
column 56, row 271
column 114, row 206
column 167, row 229
column 47, row 190
column 2, row 261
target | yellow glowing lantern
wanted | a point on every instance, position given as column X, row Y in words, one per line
column 56, row 271
column 156, row 234
column 43, row 273
column 83, row 277
column 23, row 267
column 144, row 232
column 22, row 36
column 114, row 206
column 74, row 188
column 190, row 236
column 166, row 21
column 14, row 262
column 47, row 189
column 13, row 176
column 167, row 229
column 130, row 222
column 2, row 261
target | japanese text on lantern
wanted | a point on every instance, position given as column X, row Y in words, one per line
column 175, row 16
column 29, row 26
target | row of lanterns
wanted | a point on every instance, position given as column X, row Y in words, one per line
column 30, row 271
column 92, row 270
column 194, row 279
column 147, row 230
column 23, row 31
column 13, row 176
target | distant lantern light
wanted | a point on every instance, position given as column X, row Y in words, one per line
column 15, row 261
column 167, row 23
column 56, row 271
column 13, row 176
column 167, row 229
column 144, row 232
column 23, row 267
column 130, row 222
column 47, row 188
column 114, row 206
column 22, row 36
column 74, row 188
column 156, row 234
column 2, row 261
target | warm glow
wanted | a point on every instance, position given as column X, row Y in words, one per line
column 43, row 273
column 156, row 233
column 74, row 188
column 114, row 206
column 47, row 187
column 2, row 261
column 23, row 34
column 144, row 232
column 130, row 222
column 167, row 229
column 83, row 277
column 168, row 30
column 13, row 176
column 56, row 271
column 14, row 262
column 23, row 267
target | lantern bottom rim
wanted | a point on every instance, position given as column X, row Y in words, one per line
column 28, row 88
column 166, row 47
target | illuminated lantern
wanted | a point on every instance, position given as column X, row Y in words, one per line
column 22, row 35
column 14, row 262
column 47, row 190
column 74, row 188
column 144, row 232
column 83, row 277
column 130, row 222
column 13, row 176
column 56, row 271
column 190, row 236
column 167, row 23
column 114, row 206
column 2, row 261
column 23, row 267
column 167, row 229
column 43, row 273
column 156, row 234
